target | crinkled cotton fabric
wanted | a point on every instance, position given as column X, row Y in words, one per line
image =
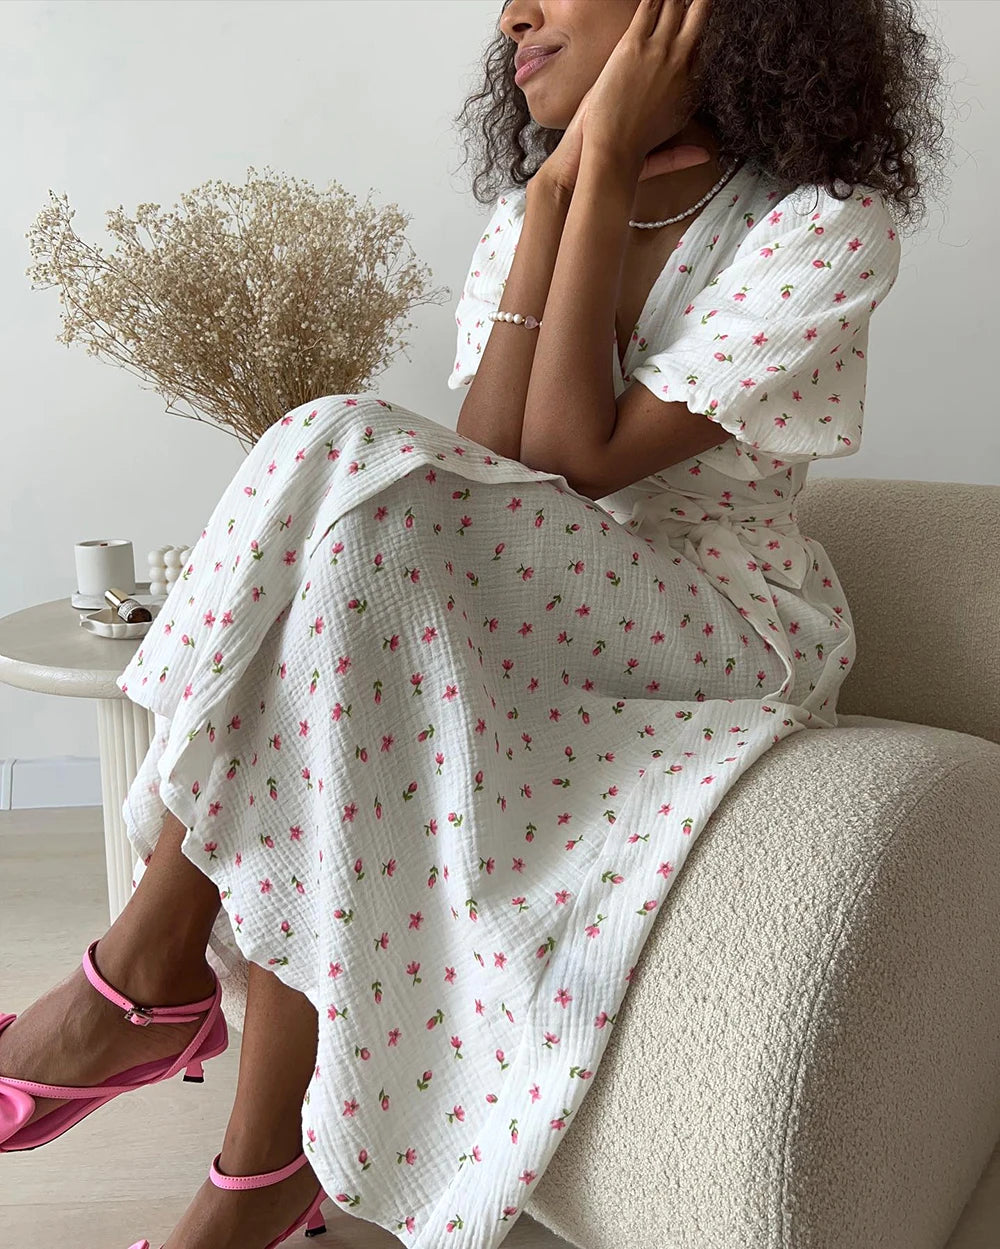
column 444, row 730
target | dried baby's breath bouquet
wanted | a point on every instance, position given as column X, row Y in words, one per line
column 245, row 308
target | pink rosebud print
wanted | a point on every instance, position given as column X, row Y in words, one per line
column 505, row 668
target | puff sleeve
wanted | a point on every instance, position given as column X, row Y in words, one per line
column 491, row 261
column 774, row 348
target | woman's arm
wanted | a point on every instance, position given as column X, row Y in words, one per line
column 570, row 402
column 493, row 411
column 572, row 422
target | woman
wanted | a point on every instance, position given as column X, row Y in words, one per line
column 440, row 715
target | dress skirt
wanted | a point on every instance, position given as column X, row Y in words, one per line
column 443, row 733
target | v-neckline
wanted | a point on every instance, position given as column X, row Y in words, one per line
column 709, row 215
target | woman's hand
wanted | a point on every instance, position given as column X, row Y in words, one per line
column 558, row 172
column 641, row 97
column 643, row 72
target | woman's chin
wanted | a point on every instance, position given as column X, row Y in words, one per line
column 550, row 118
column 548, row 109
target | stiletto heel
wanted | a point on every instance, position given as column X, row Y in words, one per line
column 316, row 1225
column 17, row 1097
column 311, row 1216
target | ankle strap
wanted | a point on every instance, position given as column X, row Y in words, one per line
column 144, row 1015
column 253, row 1181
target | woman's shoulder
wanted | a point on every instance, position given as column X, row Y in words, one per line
column 501, row 231
column 514, row 196
column 813, row 210
column 508, row 212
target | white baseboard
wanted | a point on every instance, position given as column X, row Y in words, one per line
column 58, row 781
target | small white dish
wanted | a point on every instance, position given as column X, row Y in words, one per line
column 140, row 594
column 107, row 623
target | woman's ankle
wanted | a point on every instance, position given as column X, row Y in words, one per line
column 153, row 972
column 252, row 1151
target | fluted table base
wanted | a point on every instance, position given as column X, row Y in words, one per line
column 125, row 730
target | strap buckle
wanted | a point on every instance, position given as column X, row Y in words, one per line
column 134, row 1011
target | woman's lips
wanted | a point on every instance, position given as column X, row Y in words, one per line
column 529, row 67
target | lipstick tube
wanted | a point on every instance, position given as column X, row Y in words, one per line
column 129, row 609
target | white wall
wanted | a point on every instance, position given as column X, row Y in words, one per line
column 120, row 103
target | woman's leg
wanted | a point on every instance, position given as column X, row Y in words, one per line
column 157, row 944
column 153, row 953
column 277, row 1058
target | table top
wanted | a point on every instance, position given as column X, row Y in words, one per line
column 44, row 648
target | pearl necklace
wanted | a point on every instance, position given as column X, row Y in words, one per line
column 531, row 323
column 653, row 225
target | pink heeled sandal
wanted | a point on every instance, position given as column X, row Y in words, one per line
column 315, row 1224
column 17, row 1104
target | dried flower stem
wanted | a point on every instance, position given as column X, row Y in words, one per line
column 298, row 298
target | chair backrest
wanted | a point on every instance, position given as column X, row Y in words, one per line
column 920, row 565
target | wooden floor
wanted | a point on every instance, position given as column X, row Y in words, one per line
column 130, row 1168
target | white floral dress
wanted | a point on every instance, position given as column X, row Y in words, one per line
column 443, row 730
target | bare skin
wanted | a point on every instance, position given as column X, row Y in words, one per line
column 586, row 35
column 154, row 953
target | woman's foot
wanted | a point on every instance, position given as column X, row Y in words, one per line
column 73, row 1035
column 220, row 1218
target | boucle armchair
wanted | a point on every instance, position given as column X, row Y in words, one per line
column 808, row 1056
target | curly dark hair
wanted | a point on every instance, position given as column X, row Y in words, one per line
column 810, row 91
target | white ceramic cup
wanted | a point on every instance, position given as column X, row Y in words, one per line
column 103, row 564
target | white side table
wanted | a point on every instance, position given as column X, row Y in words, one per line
column 44, row 648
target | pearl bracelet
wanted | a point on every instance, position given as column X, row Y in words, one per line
column 515, row 318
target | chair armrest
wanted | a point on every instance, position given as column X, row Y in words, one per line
column 920, row 565
column 809, row 1052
